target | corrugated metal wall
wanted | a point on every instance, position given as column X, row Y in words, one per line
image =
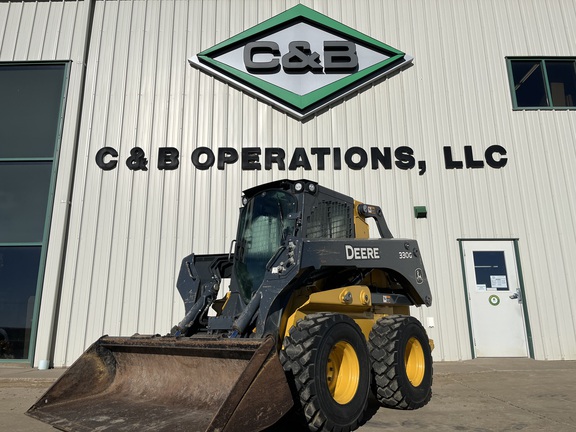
column 50, row 31
column 129, row 230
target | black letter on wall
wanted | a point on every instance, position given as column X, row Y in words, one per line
column 405, row 158
column 274, row 155
column 251, row 158
column 197, row 153
column 489, row 155
column 102, row 153
column 226, row 155
column 168, row 158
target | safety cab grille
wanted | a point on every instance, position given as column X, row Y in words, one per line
column 330, row 219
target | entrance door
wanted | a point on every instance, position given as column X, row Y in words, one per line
column 495, row 299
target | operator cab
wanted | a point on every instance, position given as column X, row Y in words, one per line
column 266, row 221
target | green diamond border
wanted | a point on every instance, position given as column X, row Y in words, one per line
column 300, row 13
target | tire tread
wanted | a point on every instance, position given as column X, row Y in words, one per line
column 297, row 358
column 388, row 387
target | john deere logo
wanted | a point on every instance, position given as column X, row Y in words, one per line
column 300, row 61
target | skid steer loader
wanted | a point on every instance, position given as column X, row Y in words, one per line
column 317, row 316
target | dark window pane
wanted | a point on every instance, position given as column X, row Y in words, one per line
column 490, row 268
column 18, row 279
column 31, row 97
column 529, row 84
column 24, row 188
column 562, row 78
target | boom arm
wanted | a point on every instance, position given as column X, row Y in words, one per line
column 375, row 212
column 198, row 284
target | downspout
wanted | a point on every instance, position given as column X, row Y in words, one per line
column 81, row 96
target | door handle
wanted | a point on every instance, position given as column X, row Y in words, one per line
column 517, row 295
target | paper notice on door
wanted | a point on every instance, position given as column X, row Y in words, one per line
column 480, row 287
column 498, row 281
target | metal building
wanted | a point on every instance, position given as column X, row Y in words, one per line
column 466, row 140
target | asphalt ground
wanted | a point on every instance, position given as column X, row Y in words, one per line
column 476, row 395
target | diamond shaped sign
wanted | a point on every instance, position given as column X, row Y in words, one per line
column 300, row 61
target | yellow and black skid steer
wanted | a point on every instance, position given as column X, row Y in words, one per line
column 316, row 317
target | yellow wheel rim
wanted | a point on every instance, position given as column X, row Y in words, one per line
column 414, row 361
column 343, row 372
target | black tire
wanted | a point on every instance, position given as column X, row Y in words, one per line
column 326, row 360
column 401, row 362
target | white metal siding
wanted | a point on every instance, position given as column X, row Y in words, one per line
column 129, row 230
column 48, row 31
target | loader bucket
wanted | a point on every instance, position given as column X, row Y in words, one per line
column 169, row 384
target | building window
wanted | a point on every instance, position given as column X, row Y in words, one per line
column 31, row 116
column 543, row 83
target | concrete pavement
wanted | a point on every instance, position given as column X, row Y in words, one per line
column 492, row 395
column 476, row 395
